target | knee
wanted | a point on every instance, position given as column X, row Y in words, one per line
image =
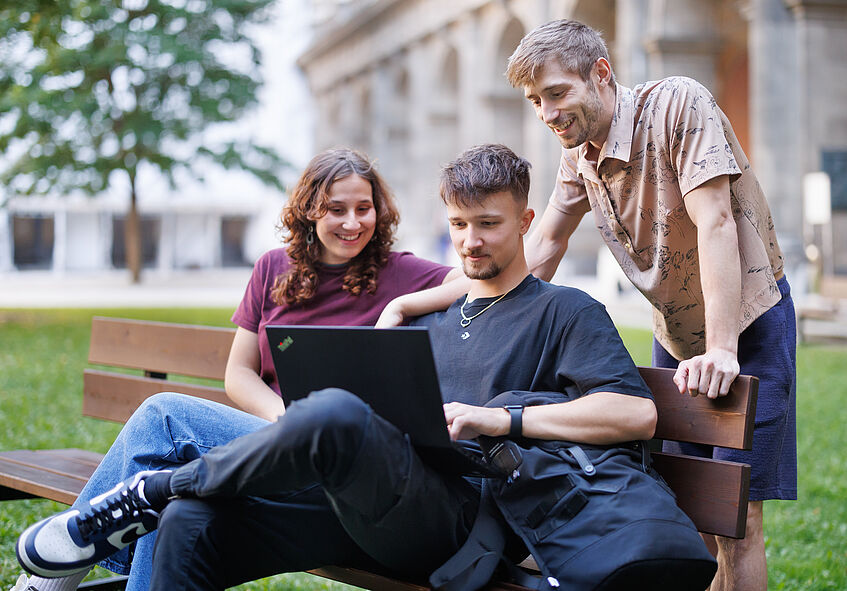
column 150, row 416
column 754, row 535
column 158, row 406
column 331, row 409
column 324, row 423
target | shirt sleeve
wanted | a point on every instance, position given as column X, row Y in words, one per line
column 569, row 195
column 594, row 358
column 249, row 312
column 411, row 273
column 699, row 148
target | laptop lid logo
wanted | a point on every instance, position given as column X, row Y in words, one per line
column 286, row 342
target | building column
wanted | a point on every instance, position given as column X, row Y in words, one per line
column 821, row 143
column 474, row 112
column 5, row 241
column 682, row 40
column 167, row 237
column 776, row 116
column 213, row 234
column 106, row 230
column 60, row 241
column 629, row 61
column 422, row 175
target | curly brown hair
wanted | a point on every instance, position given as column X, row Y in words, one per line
column 308, row 202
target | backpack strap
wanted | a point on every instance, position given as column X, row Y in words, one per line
column 474, row 564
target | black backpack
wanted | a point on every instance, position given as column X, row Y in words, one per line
column 593, row 518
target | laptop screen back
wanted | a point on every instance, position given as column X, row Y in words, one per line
column 391, row 369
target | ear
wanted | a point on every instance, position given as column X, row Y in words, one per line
column 526, row 220
column 601, row 73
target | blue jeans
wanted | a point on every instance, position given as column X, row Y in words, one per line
column 165, row 432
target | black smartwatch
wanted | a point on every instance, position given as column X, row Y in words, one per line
column 516, row 416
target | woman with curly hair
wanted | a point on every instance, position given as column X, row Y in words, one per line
column 337, row 268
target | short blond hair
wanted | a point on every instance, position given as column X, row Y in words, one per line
column 576, row 46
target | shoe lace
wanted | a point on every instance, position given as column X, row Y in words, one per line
column 128, row 505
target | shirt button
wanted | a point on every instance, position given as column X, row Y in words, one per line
column 627, row 246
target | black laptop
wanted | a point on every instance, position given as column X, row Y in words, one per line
column 391, row 369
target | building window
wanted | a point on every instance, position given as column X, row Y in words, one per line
column 834, row 163
column 232, row 241
column 33, row 241
column 151, row 228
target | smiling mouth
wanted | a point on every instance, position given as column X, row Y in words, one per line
column 564, row 127
column 349, row 237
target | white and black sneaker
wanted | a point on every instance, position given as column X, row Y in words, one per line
column 74, row 540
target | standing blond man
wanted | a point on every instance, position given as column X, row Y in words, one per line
column 678, row 205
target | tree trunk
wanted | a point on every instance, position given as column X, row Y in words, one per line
column 132, row 235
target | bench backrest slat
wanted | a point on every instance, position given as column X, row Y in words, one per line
column 726, row 421
column 713, row 493
column 115, row 397
column 197, row 351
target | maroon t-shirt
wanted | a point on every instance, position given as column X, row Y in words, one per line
column 331, row 305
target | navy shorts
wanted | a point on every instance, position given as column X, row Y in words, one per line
column 767, row 350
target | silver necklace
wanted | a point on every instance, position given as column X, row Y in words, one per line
column 466, row 320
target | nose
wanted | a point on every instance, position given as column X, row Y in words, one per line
column 547, row 112
column 350, row 222
column 473, row 239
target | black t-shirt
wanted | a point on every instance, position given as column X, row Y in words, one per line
column 551, row 340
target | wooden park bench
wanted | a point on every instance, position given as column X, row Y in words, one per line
column 713, row 493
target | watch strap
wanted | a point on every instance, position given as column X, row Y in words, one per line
column 516, row 418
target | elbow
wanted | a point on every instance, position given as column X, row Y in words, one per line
column 720, row 226
column 725, row 224
column 644, row 426
column 230, row 383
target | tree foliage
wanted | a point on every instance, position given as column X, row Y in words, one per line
column 89, row 88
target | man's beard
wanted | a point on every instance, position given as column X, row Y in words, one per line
column 490, row 271
column 590, row 125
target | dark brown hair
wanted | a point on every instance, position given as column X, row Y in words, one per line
column 482, row 171
column 576, row 46
column 308, row 202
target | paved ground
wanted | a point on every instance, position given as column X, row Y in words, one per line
column 220, row 288
column 36, row 289
column 224, row 288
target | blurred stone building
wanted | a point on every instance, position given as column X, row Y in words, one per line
column 414, row 82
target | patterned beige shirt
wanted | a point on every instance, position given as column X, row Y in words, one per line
column 667, row 138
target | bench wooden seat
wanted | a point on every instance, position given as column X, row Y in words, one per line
column 713, row 493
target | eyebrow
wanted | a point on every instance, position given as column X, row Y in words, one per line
column 359, row 202
column 557, row 86
column 484, row 216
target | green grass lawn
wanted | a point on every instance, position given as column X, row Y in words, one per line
column 43, row 354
